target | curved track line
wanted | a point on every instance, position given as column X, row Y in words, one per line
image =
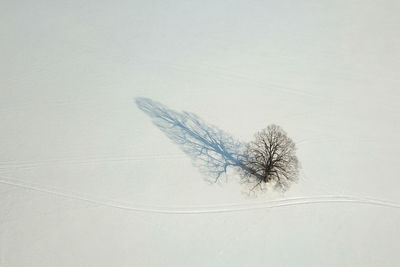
column 212, row 209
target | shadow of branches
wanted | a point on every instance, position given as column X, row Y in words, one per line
column 211, row 149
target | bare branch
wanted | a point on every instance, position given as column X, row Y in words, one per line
column 271, row 158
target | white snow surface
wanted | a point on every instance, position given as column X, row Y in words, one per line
column 86, row 178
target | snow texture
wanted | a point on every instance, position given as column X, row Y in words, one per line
column 86, row 179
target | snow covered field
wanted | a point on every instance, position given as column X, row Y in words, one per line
column 86, row 178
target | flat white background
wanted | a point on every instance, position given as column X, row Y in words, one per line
column 73, row 141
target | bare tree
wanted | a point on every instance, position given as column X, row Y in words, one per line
column 270, row 159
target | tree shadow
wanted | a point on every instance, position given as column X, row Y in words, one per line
column 211, row 149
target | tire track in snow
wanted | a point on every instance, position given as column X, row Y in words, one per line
column 227, row 208
column 87, row 161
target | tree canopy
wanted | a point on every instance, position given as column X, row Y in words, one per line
column 271, row 159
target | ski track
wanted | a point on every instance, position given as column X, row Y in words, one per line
column 87, row 161
column 226, row 208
